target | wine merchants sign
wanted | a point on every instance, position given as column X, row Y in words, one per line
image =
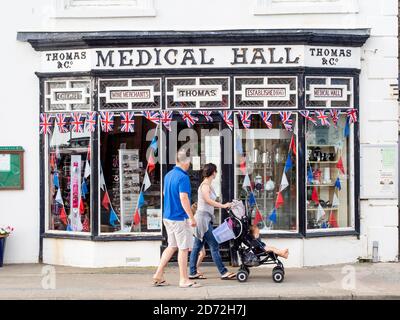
column 189, row 57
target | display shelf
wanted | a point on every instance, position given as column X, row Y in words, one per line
column 320, row 185
column 321, row 145
column 323, row 162
column 326, row 208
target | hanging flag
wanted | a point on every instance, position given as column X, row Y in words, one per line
column 113, row 217
column 106, row 201
column 340, row 166
column 246, row 182
column 78, row 122
column 141, row 200
column 252, row 199
column 102, row 181
column 292, row 145
column 207, row 115
column 245, row 117
column 335, row 201
column 286, row 120
column 272, row 216
column 352, row 115
column 151, row 164
column 307, row 115
column 279, row 201
column 62, row 122
column 107, row 121
column 52, row 160
column 337, row 184
column 81, row 207
column 227, row 117
column 258, row 218
column 153, row 116
column 46, row 123
column 91, row 121
column 310, row 176
column 239, row 147
column 63, row 216
column 69, row 228
column 284, row 183
column 127, row 121
column 188, row 118
column 58, row 198
column 87, row 169
column 86, row 225
column 332, row 220
column 334, row 116
column 323, row 118
column 346, row 131
column 266, row 117
column 136, row 217
column 288, row 164
column 84, row 189
column 153, row 144
column 166, row 119
column 320, row 213
column 56, row 182
column 146, row 182
column 314, row 195
column 242, row 165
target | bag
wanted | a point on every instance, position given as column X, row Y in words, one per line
column 250, row 259
column 223, row 233
column 238, row 209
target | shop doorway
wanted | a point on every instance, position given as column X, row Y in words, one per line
column 206, row 143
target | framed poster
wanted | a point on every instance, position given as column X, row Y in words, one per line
column 11, row 168
column 153, row 219
column 379, row 171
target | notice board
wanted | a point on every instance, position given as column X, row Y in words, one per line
column 379, row 171
column 11, row 168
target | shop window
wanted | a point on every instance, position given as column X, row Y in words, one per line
column 67, row 95
column 134, row 93
column 69, row 181
column 266, row 173
column 130, row 200
column 329, row 179
column 265, row 92
column 329, row 92
column 194, row 93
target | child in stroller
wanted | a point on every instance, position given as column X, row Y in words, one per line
column 251, row 250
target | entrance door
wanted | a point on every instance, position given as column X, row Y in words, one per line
column 206, row 145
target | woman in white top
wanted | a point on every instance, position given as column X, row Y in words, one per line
column 204, row 220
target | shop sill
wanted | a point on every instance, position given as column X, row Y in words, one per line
column 332, row 234
column 157, row 237
column 66, row 236
column 282, row 235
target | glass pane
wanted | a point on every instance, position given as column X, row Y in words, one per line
column 328, row 181
column 263, row 154
column 125, row 159
column 69, row 181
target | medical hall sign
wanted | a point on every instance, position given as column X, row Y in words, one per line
column 189, row 57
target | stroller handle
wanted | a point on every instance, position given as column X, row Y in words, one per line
column 232, row 216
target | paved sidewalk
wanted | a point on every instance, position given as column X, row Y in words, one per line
column 356, row 281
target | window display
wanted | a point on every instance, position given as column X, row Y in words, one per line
column 130, row 185
column 266, row 172
column 328, row 180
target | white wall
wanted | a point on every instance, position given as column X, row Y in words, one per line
column 19, row 92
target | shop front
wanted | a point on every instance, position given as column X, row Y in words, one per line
column 276, row 112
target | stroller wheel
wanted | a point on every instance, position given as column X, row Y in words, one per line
column 242, row 275
column 247, row 269
column 278, row 275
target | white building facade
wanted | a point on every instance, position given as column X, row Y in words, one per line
column 73, row 60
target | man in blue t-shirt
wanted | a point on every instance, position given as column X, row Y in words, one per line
column 178, row 220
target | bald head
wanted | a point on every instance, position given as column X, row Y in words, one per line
column 182, row 159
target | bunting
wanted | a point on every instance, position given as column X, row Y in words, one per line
column 136, row 217
column 62, row 122
column 153, row 116
column 91, row 121
column 334, row 116
column 188, row 118
column 166, row 119
column 127, row 121
column 78, row 122
column 107, row 121
column 307, row 115
column 352, row 115
column 227, row 117
column 245, row 118
column 286, row 120
column 46, row 123
column 322, row 117
column 207, row 115
column 266, row 117
column 272, row 216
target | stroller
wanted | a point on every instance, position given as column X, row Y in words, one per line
column 250, row 254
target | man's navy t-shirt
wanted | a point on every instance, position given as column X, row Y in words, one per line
column 175, row 182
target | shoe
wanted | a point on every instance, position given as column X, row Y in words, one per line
column 190, row 285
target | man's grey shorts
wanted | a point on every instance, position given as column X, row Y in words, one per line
column 180, row 234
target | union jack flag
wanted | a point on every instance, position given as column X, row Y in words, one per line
column 46, row 123
column 286, row 120
column 188, row 118
column 227, row 116
column 91, row 120
column 245, row 117
column 323, row 118
column 127, row 121
column 153, row 116
column 78, row 122
column 352, row 115
column 166, row 119
column 107, row 121
column 62, row 122
column 207, row 115
column 266, row 116
column 335, row 116
column 307, row 115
